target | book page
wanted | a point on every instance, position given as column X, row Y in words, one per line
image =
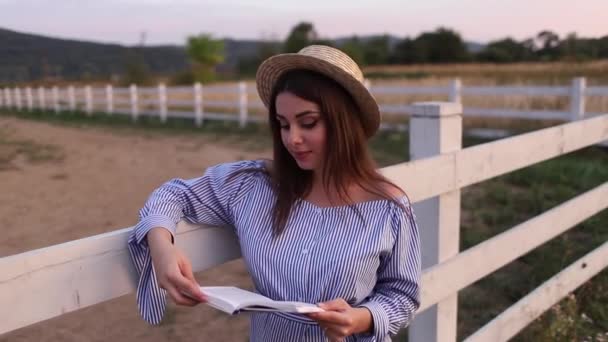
column 232, row 299
column 234, row 296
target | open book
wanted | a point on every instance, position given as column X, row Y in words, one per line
column 233, row 300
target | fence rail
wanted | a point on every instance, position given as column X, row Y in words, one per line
column 193, row 102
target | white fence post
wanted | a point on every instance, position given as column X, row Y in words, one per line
column 455, row 94
column 7, row 97
column 242, row 104
column 198, row 104
column 88, row 98
column 436, row 128
column 577, row 98
column 72, row 98
column 41, row 98
column 162, row 102
column 109, row 99
column 56, row 99
column 29, row 98
column 134, row 104
column 18, row 103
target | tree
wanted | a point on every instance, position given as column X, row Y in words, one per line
column 303, row 34
column 377, row 50
column 441, row 46
column 206, row 53
column 355, row 49
column 506, row 51
column 406, row 51
column 602, row 45
column 548, row 42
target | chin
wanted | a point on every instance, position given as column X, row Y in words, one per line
column 305, row 166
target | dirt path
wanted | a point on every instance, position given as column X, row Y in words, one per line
column 64, row 183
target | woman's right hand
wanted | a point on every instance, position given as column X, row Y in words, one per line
column 173, row 269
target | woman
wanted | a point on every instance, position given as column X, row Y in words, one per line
column 316, row 224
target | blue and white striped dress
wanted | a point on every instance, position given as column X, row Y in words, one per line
column 370, row 259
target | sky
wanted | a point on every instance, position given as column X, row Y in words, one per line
column 172, row 21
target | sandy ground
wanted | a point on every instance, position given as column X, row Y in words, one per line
column 95, row 181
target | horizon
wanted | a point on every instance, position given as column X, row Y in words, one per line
column 158, row 22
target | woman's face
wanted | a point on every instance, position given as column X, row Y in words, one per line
column 303, row 130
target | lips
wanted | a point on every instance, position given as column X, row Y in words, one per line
column 301, row 155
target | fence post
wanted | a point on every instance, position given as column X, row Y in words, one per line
column 41, row 98
column 29, row 99
column 2, row 102
column 162, row 102
column 198, row 104
column 7, row 97
column 242, row 104
column 72, row 98
column 56, row 99
column 17, row 93
column 455, row 93
column 577, row 98
column 88, row 97
column 109, row 99
column 134, row 104
column 18, row 98
column 436, row 128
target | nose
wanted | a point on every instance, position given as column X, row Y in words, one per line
column 295, row 136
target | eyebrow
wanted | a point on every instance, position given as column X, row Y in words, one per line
column 306, row 112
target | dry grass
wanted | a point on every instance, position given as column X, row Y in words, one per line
column 498, row 74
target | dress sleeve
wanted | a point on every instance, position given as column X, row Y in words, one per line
column 209, row 199
column 396, row 296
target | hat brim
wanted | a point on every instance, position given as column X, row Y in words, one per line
column 271, row 70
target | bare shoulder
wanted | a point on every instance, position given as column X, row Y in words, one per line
column 387, row 188
column 393, row 190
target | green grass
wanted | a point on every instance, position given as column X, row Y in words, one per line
column 498, row 204
column 488, row 208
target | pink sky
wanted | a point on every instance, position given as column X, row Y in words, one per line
column 166, row 21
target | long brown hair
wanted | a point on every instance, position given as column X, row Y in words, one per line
column 347, row 158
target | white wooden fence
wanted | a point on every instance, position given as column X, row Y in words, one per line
column 49, row 282
column 205, row 103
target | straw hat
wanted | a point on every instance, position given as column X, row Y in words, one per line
column 330, row 62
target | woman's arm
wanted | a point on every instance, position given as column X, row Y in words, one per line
column 396, row 296
column 162, row 267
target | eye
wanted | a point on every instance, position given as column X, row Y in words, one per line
column 309, row 124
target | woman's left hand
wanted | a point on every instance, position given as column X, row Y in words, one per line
column 340, row 320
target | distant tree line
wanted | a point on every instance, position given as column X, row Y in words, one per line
column 443, row 45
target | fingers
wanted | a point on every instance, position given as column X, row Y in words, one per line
column 178, row 297
column 336, row 321
column 332, row 317
column 337, row 304
column 174, row 274
column 191, row 287
column 182, row 290
column 335, row 333
column 188, row 287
